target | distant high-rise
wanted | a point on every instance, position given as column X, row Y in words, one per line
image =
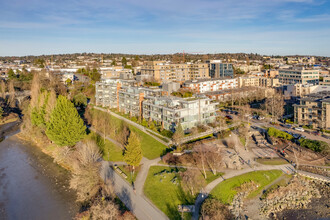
column 221, row 70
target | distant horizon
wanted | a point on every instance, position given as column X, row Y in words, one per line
column 152, row 54
column 166, row 26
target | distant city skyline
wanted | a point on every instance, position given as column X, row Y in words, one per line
column 278, row 27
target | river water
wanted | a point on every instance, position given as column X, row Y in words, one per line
column 31, row 185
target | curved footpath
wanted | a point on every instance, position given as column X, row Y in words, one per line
column 136, row 202
column 286, row 168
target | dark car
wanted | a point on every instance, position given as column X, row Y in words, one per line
column 229, row 117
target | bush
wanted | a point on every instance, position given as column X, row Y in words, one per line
column 314, row 145
column 279, row 134
column 167, row 133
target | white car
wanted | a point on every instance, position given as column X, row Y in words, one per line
column 299, row 129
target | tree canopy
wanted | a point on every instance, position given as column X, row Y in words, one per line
column 65, row 127
column 133, row 151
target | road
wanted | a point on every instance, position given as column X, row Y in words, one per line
column 137, row 204
column 309, row 136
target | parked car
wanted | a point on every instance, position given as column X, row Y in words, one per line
column 261, row 118
column 296, row 136
column 287, row 126
column 299, row 129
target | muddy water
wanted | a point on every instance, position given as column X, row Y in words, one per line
column 31, row 185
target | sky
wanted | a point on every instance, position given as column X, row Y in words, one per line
column 268, row 27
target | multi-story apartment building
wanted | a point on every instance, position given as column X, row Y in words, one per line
column 154, row 104
column 248, row 68
column 248, row 81
column 314, row 109
column 268, row 82
column 301, row 76
column 114, row 72
column 299, row 90
column 326, row 80
column 208, row 85
column 238, row 93
column 221, row 70
column 170, row 111
column 163, row 71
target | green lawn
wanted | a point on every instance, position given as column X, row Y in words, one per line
column 226, row 190
column 130, row 178
column 275, row 161
column 211, row 177
column 109, row 150
column 165, row 194
column 151, row 148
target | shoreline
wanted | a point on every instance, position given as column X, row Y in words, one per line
column 46, row 182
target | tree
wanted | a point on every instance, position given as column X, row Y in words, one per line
column 213, row 209
column 1, row 113
column 213, row 158
column 11, row 74
column 35, row 90
column 275, row 105
column 133, row 151
column 3, row 89
column 86, row 170
column 80, row 100
column 244, row 133
column 200, row 158
column 65, row 127
column 192, row 181
column 178, row 135
column 124, row 61
column 11, row 100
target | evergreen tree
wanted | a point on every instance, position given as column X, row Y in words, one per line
column 178, row 135
column 65, row 127
column 133, row 151
column 1, row 113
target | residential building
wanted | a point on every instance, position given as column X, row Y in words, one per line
column 248, row 81
column 299, row 90
column 326, row 80
column 115, row 72
column 301, row 76
column 221, row 70
column 271, row 73
column 314, row 109
column 248, row 68
column 233, row 94
column 208, row 85
column 268, row 82
column 170, row 111
column 153, row 103
column 165, row 71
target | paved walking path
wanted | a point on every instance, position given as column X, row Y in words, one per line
column 149, row 132
column 109, row 139
column 286, row 168
column 137, row 204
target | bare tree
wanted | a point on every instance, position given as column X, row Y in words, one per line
column 105, row 209
column 192, row 181
column 86, row 166
column 213, row 158
column 200, row 155
column 35, row 90
column 213, row 209
column 275, row 105
column 244, row 133
column 3, row 89
column 11, row 100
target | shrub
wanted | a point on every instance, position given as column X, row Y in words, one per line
column 314, row 145
column 279, row 134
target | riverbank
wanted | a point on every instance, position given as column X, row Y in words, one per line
column 32, row 186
